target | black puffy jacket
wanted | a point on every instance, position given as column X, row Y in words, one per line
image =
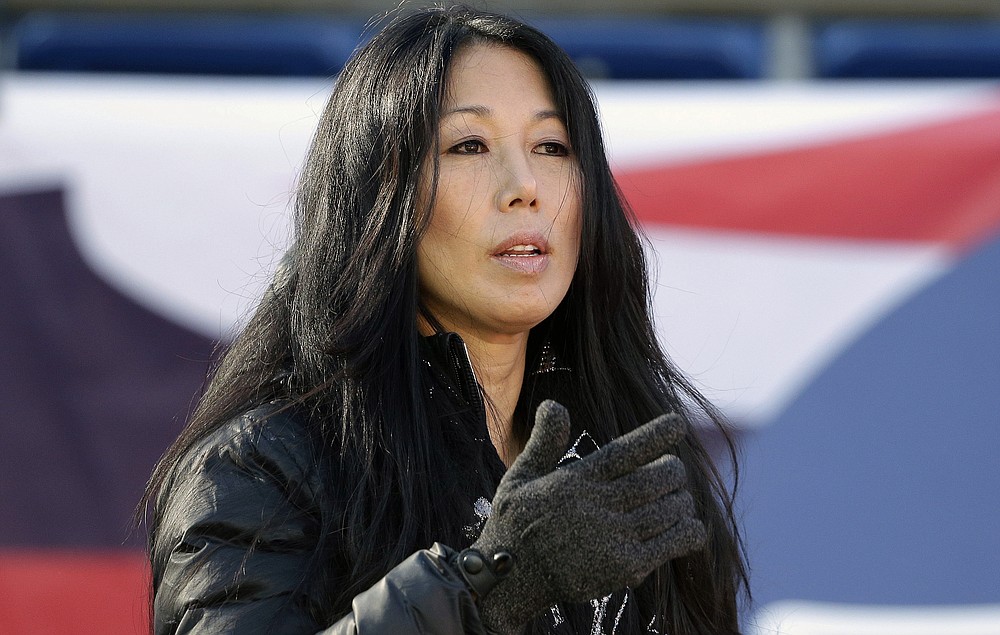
column 238, row 526
column 226, row 571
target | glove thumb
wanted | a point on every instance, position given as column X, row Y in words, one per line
column 545, row 446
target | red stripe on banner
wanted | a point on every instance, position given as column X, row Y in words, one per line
column 84, row 593
column 938, row 182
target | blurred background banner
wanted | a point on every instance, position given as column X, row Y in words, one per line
column 825, row 250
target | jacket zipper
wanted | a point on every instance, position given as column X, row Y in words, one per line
column 467, row 374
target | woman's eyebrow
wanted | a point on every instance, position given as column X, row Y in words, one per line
column 485, row 112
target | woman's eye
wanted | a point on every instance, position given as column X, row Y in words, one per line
column 553, row 148
column 470, row 146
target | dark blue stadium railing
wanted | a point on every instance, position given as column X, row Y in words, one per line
column 605, row 47
column 912, row 49
column 619, row 48
column 244, row 45
column 185, row 44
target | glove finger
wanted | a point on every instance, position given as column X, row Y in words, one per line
column 684, row 537
column 649, row 482
column 660, row 516
column 638, row 447
column 546, row 445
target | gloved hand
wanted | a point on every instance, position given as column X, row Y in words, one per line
column 590, row 528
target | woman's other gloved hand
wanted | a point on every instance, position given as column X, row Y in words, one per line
column 590, row 528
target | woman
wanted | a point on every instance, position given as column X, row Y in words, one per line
column 462, row 258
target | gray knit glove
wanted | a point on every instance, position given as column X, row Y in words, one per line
column 587, row 529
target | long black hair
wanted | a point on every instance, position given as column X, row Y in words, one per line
column 337, row 334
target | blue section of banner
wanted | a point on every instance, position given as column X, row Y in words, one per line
column 879, row 484
column 94, row 387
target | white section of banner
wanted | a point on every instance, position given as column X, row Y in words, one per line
column 178, row 190
column 659, row 122
column 752, row 319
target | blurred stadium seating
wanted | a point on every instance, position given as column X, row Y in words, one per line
column 615, row 48
column 185, row 44
column 650, row 41
column 918, row 49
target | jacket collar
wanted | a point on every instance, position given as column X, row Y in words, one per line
column 447, row 355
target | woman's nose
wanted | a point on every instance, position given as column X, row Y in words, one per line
column 518, row 186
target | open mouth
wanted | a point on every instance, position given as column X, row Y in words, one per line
column 524, row 252
column 520, row 251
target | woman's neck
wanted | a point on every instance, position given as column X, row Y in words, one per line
column 499, row 364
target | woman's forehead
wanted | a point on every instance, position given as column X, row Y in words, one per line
column 485, row 78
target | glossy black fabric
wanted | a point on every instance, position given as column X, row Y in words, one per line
column 239, row 528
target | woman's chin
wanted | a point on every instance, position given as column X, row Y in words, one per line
column 522, row 317
column 509, row 312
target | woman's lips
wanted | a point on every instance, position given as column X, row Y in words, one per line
column 525, row 252
column 524, row 264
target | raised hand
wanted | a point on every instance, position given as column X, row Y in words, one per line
column 592, row 527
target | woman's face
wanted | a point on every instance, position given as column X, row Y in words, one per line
column 504, row 234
